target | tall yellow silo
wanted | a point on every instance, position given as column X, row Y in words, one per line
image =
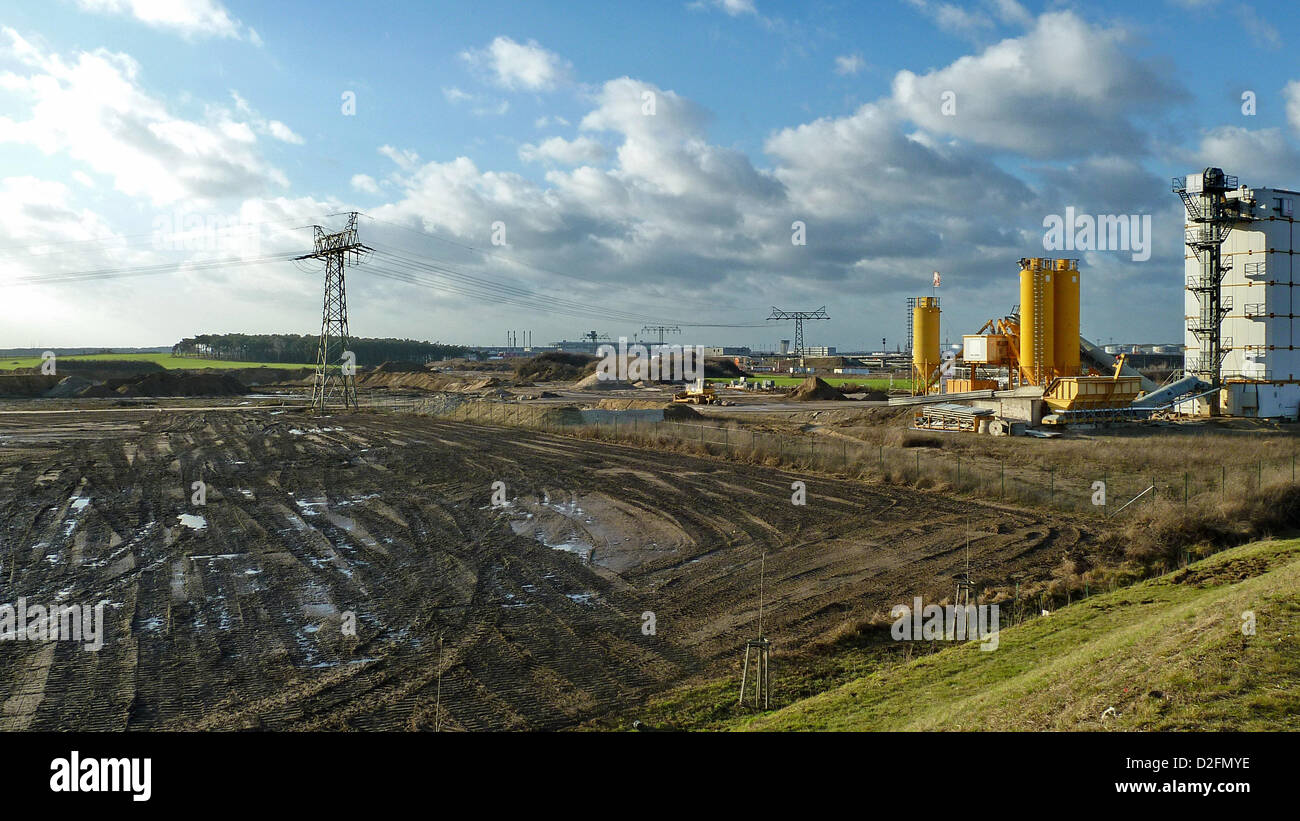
column 925, row 340
column 1037, row 312
column 1066, row 317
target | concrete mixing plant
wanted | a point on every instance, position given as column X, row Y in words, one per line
column 1029, row 368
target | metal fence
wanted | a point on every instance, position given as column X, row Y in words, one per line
column 1074, row 489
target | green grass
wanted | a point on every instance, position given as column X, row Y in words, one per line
column 1166, row 654
column 164, row 359
column 791, row 381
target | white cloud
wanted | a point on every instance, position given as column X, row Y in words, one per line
column 1260, row 157
column 735, row 8
column 406, row 159
column 849, row 64
column 190, row 18
column 525, row 66
column 1011, row 97
column 581, row 151
column 93, row 108
column 1263, row 33
column 283, row 133
column 257, row 123
column 954, row 19
column 365, row 183
column 1291, row 95
column 547, row 120
column 455, row 95
column 1011, row 12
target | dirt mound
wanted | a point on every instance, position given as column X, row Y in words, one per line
column 398, row 367
column 178, row 383
column 677, row 412
column 555, row 366
column 26, row 384
column 96, row 392
column 812, row 389
column 270, row 376
column 426, row 381
column 68, row 387
column 629, row 404
column 595, row 383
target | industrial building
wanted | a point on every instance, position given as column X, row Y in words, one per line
column 1239, row 357
column 1029, row 368
column 1240, row 295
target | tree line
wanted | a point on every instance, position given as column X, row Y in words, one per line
column 301, row 349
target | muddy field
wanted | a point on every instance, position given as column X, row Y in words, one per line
column 232, row 615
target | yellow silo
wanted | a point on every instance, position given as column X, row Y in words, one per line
column 1066, row 321
column 925, row 340
column 1037, row 309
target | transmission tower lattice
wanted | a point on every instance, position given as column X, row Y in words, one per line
column 334, row 381
column 798, row 317
column 661, row 330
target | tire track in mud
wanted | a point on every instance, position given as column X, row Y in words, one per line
column 239, row 623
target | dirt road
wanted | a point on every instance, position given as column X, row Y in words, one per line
column 236, row 614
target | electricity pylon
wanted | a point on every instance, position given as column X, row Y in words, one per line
column 335, row 383
column 798, row 317
column 661, row 329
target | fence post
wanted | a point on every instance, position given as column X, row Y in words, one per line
column 918, row 466
column 1184, row 488
column 1153, row 490
column 1004, row 477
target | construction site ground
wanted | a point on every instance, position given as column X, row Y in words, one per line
column 531, row 613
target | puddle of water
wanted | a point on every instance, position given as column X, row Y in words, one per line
column 192, row 521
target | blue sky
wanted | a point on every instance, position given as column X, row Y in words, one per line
column 121, row 116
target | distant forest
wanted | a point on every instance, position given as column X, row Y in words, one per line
column 301, row 349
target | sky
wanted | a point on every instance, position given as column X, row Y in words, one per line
column 562, row 167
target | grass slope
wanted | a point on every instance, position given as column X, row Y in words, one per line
column 1167, row 654
column 180, row 363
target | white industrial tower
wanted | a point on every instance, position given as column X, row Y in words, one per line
column 1250, row 298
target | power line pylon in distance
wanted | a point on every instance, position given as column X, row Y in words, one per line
column 661, row 330
column 335, row 384
column 798, row 317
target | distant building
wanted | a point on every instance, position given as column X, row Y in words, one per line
column 725, row 351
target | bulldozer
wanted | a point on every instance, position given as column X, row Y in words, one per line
column 700, row 393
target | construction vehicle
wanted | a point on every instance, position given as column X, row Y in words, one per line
column 700, row 393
